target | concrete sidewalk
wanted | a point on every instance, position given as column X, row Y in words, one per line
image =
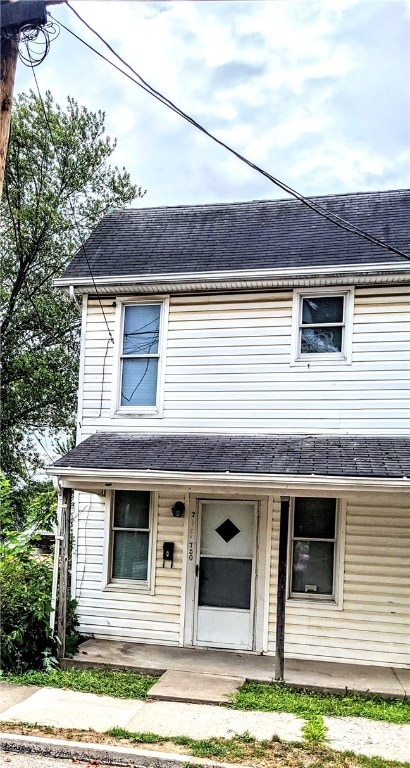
column 69, row 709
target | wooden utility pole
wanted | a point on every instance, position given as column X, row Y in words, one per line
column 15, row 16
column 281, row 589
column 9, row 50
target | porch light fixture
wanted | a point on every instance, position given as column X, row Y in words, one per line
column 178, row 510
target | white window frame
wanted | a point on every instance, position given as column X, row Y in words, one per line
column 146, row 586
column 336, row 598
column 322, row 358
column 156, row 410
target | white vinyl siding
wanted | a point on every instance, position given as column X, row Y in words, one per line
column 372, row 625
column 228, row 369
column 117, row 613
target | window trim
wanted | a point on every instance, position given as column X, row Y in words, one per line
column 156, row 411
column 325, row 358
column 145, row 586
column 335, row 600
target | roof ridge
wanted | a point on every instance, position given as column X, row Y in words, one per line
column 290, row 199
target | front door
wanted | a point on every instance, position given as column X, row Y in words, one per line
column 225, row 593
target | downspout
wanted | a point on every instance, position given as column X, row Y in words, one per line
column 73, row 297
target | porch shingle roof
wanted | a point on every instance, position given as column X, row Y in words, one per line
column 321, row 455
column 261, row 234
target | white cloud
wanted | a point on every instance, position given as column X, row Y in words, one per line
column 299, row 87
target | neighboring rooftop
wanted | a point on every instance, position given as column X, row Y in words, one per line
column 265, row 234
column 360, row 456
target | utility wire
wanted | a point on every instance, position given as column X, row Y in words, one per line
column 82, row 245
column 313, row 205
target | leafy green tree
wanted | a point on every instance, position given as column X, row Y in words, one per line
column 58, row 184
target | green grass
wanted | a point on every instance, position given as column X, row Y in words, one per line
column 123, row 685
column 307, row 704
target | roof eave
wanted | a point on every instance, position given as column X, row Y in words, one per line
column 384, row 273
column 98, row 480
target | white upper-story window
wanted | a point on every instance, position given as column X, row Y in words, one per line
column 140, row 358
column 322, row 325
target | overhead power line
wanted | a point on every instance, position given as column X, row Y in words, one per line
column 144, row 85
column 32, row 65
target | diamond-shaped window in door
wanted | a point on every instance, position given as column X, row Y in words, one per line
column 227, row 530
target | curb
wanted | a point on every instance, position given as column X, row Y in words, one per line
column 103, row 753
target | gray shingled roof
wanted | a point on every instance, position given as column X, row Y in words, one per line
column 241, row 236
column 367, row 457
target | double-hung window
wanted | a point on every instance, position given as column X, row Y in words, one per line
column 313, row 548
column 322, row 325
column 131, row 537
column 139, row 365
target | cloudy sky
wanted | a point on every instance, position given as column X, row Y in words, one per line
column 315, row 91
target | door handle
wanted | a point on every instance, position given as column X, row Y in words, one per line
column 196, row 570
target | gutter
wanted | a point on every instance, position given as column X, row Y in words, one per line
column 385, row 273
column 101, row 480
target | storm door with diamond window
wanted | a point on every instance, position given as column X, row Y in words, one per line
column 225, row 574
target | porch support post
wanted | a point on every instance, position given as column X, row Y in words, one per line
column 63, row 571
column 281, row 589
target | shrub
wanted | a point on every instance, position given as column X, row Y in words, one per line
column 25, row 590
column 26, row 641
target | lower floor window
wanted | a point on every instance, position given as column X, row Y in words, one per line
column 313, row 534
column 130, row 536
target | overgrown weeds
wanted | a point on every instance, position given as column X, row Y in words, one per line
column 309, row 704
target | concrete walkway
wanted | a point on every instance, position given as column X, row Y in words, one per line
column 69, row 709
column 315, row 675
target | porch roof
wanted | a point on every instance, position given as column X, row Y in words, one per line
column 365, row 457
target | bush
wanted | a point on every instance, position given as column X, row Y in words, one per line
column 25, row 597
column 26, row 641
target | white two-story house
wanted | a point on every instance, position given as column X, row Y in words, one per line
column 236, row 360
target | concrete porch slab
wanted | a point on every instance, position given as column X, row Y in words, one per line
column 339, row 678
column 316, row 675
column 403, row 676
column 157, row 659
column 195, row 687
